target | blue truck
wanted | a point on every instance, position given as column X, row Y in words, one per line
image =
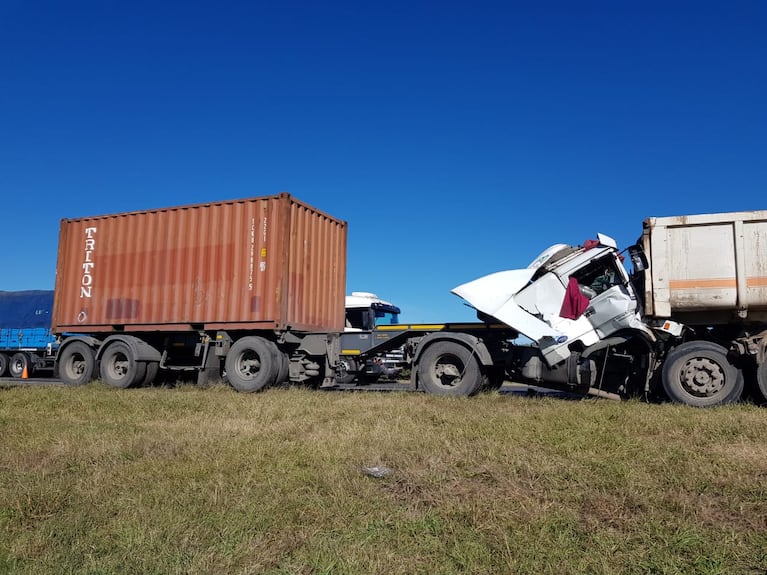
column 26, row 342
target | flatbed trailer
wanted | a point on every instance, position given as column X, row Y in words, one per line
column 442, row 358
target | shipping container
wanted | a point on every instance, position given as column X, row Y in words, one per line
column 253, row 288
column 260, row 263
column 707, row 267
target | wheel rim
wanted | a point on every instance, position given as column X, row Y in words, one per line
column 702, row 377
column 75, row 367
column 119, row 366
column 18, row 362
column 248, row 364
column 448, row 371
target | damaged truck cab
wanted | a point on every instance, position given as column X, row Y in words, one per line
column 581, row 311
column 690, row 322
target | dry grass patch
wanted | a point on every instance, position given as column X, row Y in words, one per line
column 94, row 480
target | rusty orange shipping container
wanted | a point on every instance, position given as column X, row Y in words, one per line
column 270, row 262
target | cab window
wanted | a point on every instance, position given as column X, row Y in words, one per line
column 599, row 276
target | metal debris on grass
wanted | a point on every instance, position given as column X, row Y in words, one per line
column 377, row 471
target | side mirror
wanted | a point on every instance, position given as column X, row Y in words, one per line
column 638, row 258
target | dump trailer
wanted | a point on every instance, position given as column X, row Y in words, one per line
column 27, row 344
column 691, row 319
column 252, row 289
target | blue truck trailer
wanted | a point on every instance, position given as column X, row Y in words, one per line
column 26, row 341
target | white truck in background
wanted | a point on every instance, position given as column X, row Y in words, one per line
column 364, row 311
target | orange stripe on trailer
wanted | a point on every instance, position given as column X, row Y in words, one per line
column 702, row 284
column 718, row 283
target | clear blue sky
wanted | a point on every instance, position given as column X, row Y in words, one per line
column 456, row 138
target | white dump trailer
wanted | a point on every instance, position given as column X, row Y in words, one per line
column 707, row 269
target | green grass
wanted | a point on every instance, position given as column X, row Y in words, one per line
column 187, row 480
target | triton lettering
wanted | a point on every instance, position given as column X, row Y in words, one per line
column 86, row 282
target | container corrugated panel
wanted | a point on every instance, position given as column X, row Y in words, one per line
column 707, row 262
column 271, row 262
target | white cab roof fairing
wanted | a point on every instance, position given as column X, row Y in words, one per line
column 360, row 299
column 545, row 255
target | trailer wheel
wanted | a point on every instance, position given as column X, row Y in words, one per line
column 283, row 376
column 76, row 364
column 283, row 364
column 19, row 361
column 698, row 373
column 251, row 364
column 119, row 367
column 4, row 361
column 449, row 368
column 152, row 369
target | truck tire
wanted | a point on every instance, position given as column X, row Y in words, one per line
column 252, row 364
column 698, row 373
column 119, row 367
column 495, row 378
column 449, row 368
column 19, row 361
column 4, row 361
column 152, row 369
column 283, row 364
column 761, row 380
column 76, row 364
column 283, row 375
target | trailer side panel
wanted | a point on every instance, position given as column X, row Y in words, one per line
column 707, row 263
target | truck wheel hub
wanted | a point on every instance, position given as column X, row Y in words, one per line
column 447, row 370
column 702, row 376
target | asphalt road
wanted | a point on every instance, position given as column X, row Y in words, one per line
column 4, row 381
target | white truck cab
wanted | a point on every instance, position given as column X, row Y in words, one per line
column 566, row 295
column 365, row 310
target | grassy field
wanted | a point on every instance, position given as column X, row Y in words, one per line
column 187, row 480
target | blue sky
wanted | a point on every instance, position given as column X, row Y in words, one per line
column 456, row 138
